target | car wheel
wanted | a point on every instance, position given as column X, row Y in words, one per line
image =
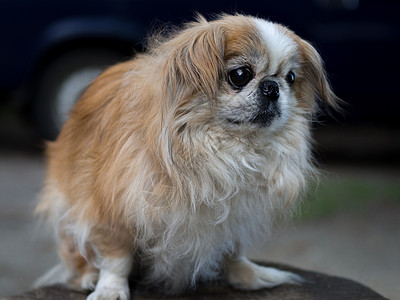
column 63, row 82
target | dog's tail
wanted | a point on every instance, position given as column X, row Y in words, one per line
column 58, row 274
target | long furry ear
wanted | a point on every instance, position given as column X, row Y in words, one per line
column 196, row 61
column 315, row 76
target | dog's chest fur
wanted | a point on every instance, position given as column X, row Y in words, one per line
column 234, row 194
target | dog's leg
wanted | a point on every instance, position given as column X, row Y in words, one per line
column 246, row 275
column 80, row 269
column 113, row 279
column 114, row 259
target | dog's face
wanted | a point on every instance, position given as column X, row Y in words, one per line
column 249, row 72
column 258, row 89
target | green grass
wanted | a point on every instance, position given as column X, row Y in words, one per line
column 347, row 193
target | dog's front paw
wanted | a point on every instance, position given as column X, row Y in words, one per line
column 109, row 293
column 116, row 289
column 245, row 275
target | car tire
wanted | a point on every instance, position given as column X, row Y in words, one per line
column 63, row 82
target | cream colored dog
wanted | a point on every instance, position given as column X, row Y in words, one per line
column 182, row 157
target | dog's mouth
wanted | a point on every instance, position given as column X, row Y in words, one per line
column 263, row 117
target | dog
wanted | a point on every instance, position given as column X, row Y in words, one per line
column 178, row 160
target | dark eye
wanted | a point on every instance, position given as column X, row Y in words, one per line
column 239, row 77
column 290, row 77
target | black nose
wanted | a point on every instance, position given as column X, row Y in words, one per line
column 270, row 89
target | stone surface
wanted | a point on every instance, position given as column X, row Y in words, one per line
column 317, row 286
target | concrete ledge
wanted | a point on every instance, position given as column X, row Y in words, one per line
column 317, row 287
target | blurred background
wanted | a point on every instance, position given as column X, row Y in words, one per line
column 350, row 223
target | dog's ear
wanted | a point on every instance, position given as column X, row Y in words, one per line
column 315, row 76
column 196, row 62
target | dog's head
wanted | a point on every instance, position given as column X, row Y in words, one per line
column 242, row 73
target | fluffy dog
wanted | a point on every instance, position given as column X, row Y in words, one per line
column 184, row 156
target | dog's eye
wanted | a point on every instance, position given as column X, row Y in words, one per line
column 290, row 77
column 239, row 77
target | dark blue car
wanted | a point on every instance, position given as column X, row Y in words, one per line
column 51, row 50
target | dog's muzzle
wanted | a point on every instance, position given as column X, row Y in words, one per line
column 268, row 104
